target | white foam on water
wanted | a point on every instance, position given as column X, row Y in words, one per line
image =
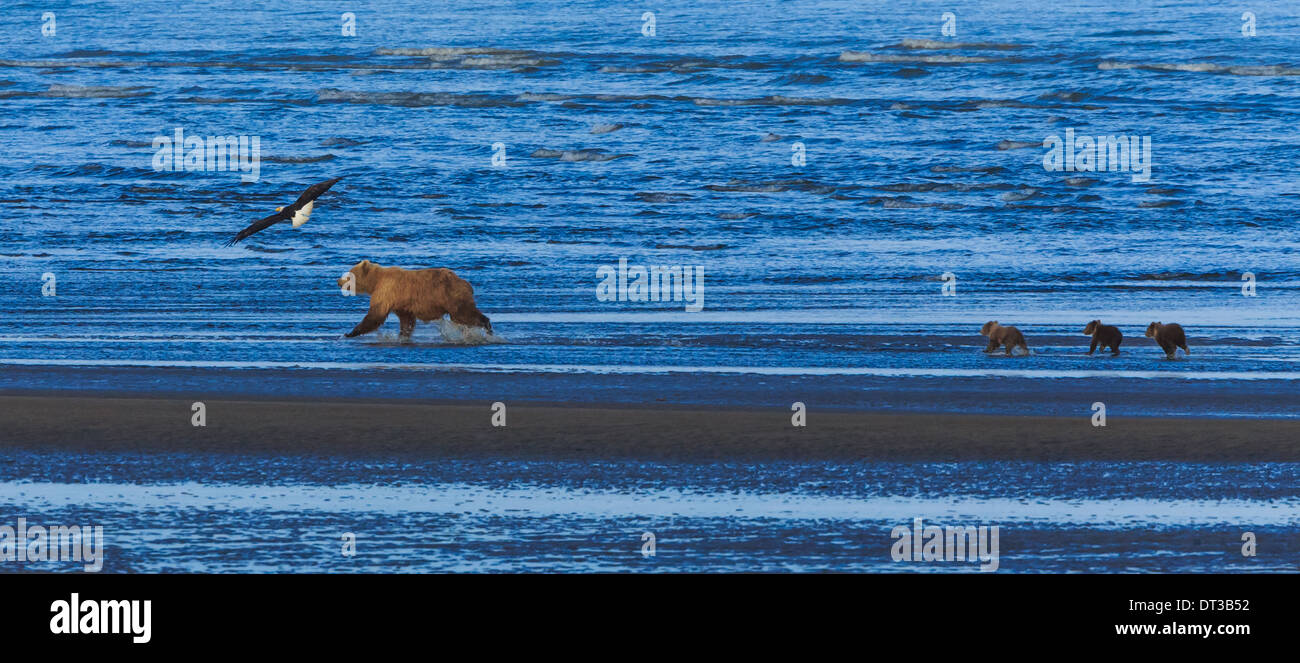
column 544, row 501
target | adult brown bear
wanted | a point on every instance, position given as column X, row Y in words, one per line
column 1003, row 335
column 1170, row 337
column 426, row 294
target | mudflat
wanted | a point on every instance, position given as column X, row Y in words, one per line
column 385, row 428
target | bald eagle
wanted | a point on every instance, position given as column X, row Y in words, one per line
column 297, row 213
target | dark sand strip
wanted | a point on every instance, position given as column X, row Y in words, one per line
column 422, row 429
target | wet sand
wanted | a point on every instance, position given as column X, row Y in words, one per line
column 464, row 430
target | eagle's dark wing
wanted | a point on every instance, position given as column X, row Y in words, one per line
column 286, row 213
column 312, row 193
column 258, row 226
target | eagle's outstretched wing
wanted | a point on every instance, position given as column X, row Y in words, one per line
column 259, row 226
column 286, row 213
column 312, row 193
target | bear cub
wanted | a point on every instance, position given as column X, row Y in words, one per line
column 1107, row 336
column 1002, row 335
column 1170, row 337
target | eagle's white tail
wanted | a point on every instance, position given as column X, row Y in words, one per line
column 301, row 216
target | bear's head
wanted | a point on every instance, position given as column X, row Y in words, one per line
column 362, row 276
column 1092, row 327
column 1152, row 329
column 989, row 327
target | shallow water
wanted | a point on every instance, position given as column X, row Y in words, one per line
column 831, row 269
column 822, row 281
column 289, row 514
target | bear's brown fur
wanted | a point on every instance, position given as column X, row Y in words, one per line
column 1107, row 336
column 424, row 294
column 1000, row 335
column 1170, row 337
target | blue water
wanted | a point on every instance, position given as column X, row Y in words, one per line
column 821, row 269
column 822, row 280
column 289, row 515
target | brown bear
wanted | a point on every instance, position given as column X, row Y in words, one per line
column 426, row 294
column 1000, row 335
column 1107, row 336
column 1170, row 337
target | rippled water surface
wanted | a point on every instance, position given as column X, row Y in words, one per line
column 822, row 279
column 287, row 515
column 923, row 156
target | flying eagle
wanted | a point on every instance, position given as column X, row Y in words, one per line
column 298, row 212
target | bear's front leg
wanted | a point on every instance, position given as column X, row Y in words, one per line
column 371, row 322
column 408, row 324
column 993, row 345
column 1094, row 345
